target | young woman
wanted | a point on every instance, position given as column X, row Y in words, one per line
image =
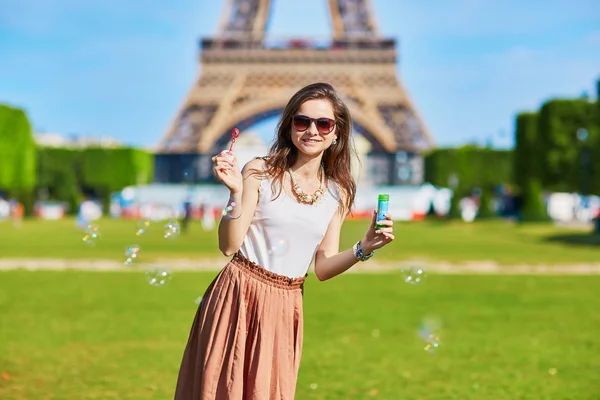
column 286, row 210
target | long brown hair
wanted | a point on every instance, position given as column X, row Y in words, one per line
column 336, row 161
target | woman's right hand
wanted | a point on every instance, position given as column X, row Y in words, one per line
column 227, row 171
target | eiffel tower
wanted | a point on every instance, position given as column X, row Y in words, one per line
column 245, row 78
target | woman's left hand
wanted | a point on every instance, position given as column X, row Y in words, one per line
column 376, row 238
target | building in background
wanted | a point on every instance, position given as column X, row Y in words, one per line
column 48, row 139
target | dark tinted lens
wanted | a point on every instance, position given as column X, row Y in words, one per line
column 301, row 123
column 325, row 125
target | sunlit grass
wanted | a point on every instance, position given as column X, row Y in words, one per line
column 99, row 335
column 499, row 241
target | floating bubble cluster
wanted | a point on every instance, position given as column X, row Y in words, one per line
column 278, row 247
column 172, row 230
column 131, row 254
column 228, row 209
column 414, row 274
column 158, row 276
column 429, row 332
column 143, row 227
column 433, row 342
column 132, row 250
column 91, row 235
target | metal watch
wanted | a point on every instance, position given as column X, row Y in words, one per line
column 359, row 254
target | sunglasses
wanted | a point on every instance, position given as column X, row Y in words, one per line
column 302, row 123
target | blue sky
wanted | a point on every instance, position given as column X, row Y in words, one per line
column 121, row 69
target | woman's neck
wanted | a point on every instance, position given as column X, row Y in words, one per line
column 307, row 169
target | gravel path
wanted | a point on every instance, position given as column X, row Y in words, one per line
column 372, row 266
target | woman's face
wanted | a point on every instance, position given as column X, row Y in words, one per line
column 311, row 137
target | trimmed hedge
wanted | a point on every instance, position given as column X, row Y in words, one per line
column 548, row 154
column 17, row 151
column 115, row 168
column 559, row 148
column 534, row 208
column 17, row 156
column 527, row 162
column 107, row 170
column 65, row 172
column 59, row 175
column 474, row 166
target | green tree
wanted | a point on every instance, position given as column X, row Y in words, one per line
column 472, row 166
column 58, row 175
column 486, row 209
column 107, row 170
column 18, row 156
column 527, row 159
column 457, row 195
column 559, row 147
column 534, row 207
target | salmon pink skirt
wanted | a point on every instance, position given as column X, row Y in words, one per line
column 246, row 339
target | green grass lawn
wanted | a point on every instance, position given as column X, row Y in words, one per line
column 499, row 241
column 109, row 335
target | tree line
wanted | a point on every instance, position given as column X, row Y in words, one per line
column 29, row 172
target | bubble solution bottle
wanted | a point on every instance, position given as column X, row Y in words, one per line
column 383, row 201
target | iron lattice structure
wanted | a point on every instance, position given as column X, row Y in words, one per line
column 244, row 78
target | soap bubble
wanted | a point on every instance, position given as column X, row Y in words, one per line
column 131, row 254
column 429, row 332
column 142, row 227
column 172, row 230
column 91, row 235
column 93, row 228
column 433, row 342
column 90, row 239
column 278, row 247
column 158, row 276
column 132, row 250
column 414, row 274
column 229, row 208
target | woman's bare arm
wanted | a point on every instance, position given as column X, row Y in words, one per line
column 234, row 225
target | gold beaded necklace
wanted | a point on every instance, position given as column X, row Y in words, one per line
column 308, row 198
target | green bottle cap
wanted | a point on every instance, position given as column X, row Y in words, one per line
column 383, row 197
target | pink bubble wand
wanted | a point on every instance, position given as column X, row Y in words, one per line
column 235, row 133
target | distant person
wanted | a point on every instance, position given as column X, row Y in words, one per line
column 4, row 209
column 246, row 339
column 208, row 218
column 18, row 211
column 187, row 216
